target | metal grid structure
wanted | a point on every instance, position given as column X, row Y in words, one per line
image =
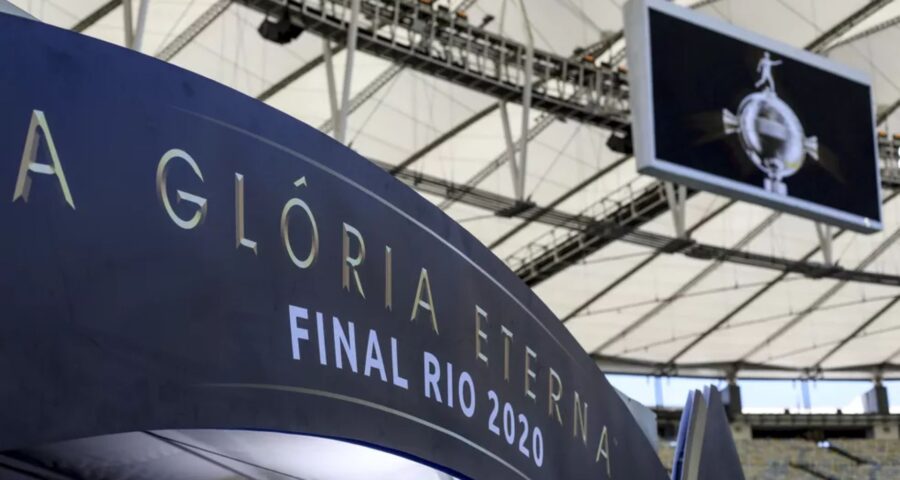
column 594, row 240
column 442, row 43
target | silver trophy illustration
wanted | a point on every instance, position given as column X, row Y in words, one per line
column 770, row 132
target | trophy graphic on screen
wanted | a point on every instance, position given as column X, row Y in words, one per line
column 770, row 132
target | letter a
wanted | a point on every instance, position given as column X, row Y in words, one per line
column 418, row 302
column 29, row 157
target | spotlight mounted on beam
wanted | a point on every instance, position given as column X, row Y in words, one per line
column 279, row 28
column 621, row 141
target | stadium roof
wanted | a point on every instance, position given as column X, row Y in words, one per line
column 749, row 294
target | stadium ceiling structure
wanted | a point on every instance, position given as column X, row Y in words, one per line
column 502, row 113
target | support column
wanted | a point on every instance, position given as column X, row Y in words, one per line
column 128, row 20
column 341, row 130
column 526, row 103
column 804, row 393
column 731, row 397
column 658, row 390
column 134, row 28
column 329, row 75
column 140, row 25
column 511, row 153
column 676, row 195
column 876, row 402
column 876, row 399
column 826, row 237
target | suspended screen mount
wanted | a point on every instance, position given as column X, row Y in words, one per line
column 729, row 111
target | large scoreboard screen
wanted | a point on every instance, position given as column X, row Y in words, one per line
column 722, row 109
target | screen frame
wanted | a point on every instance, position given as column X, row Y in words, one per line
column 640, row 66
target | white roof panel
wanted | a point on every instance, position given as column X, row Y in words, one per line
column 414, row 109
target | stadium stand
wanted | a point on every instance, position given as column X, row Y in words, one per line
column 790, row 459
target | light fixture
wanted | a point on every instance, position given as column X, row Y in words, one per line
column 620, row 141
column 280, row 29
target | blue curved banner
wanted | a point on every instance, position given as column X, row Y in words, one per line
column 178, row 255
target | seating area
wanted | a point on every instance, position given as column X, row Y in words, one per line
column 790, row 459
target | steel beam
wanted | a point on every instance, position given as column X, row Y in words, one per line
column 890, row 358
column 617, row 219
column 820, row 43
column 562, row 198
column 333, row 102
column 621, row 224
column 375, row 85
column 527, row 95
column 739, row 308
column 505, row 206
column 296, row 74
column 96, row 15
column 366, row 93
column 863, row 264
column 469, row 56
column 489, row 201
column 618, row 281
column 608, row 288
column 866, row 33
column 690, row 284
column 442, row 138
column 352, row 37
column 542, row 123
column 613, row 364
column 712, row 252
column 193, row 30
column 509, row 156
column 831, row 343
column 880, row 313
column 603, row 45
